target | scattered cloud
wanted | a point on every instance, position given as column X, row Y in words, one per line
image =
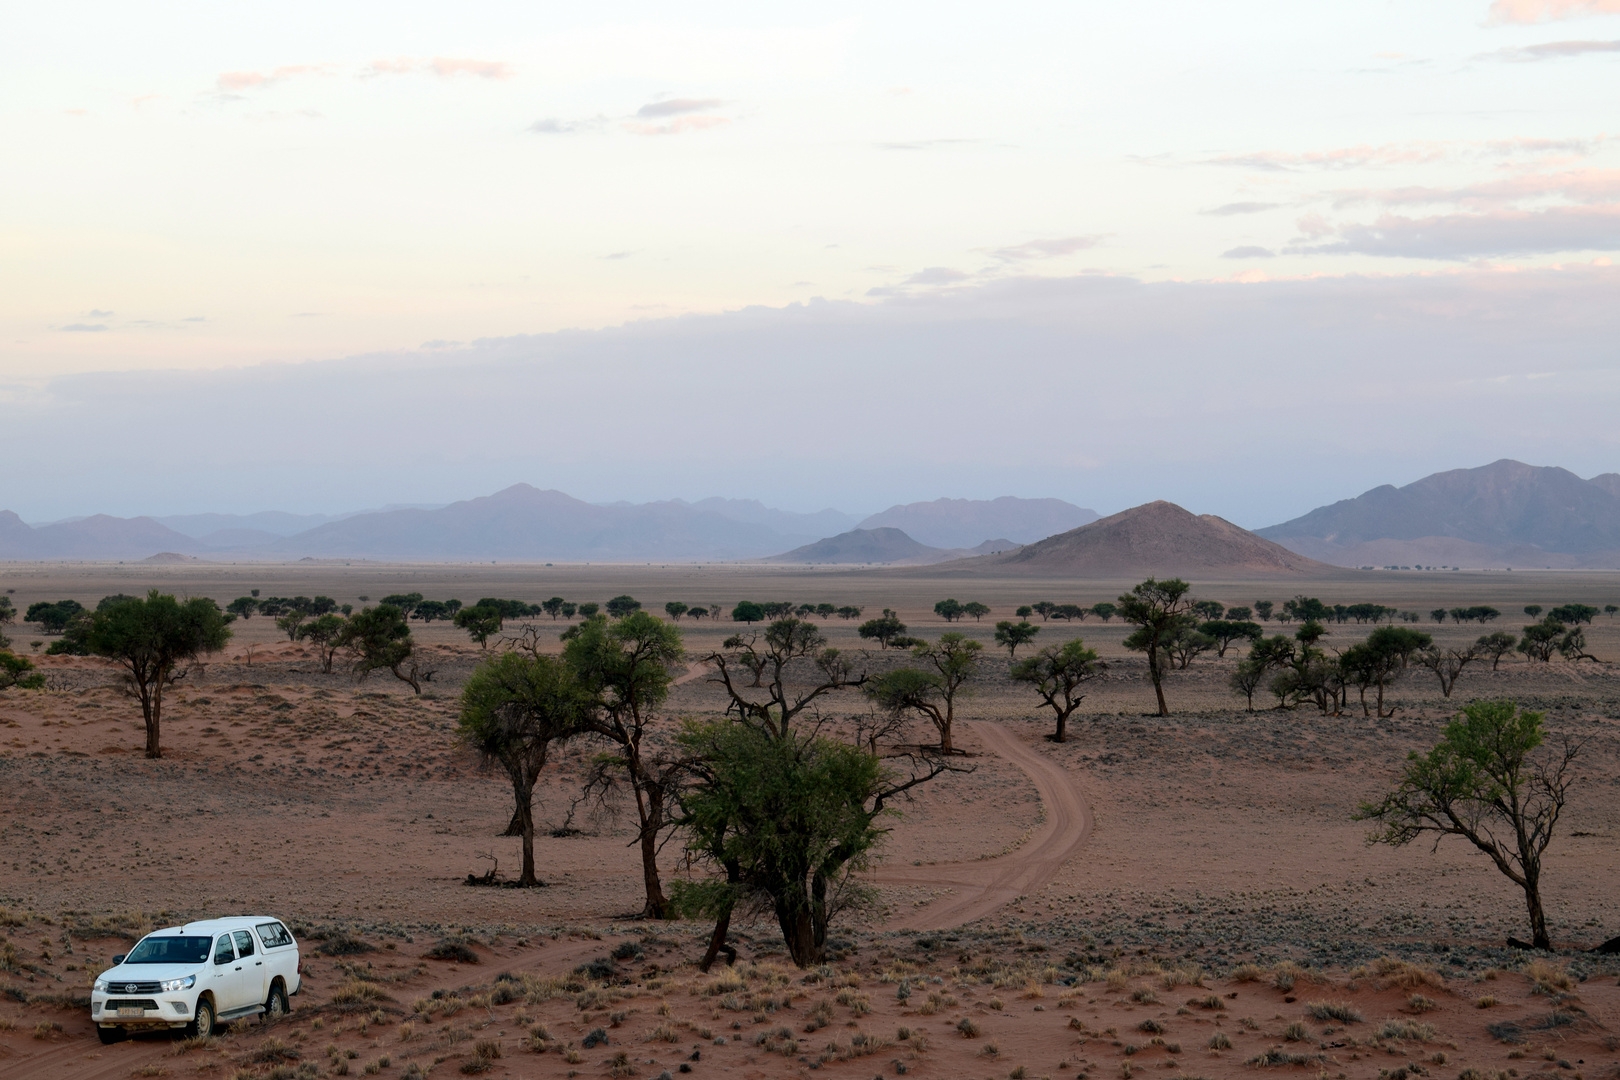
column 446, row 67
column 84, row 328
column 1552, row 50
column 77, row 112
column 1410, row 153
column 1240, row 208
column 1046, row 249
column 307, row 314
column 552, row 126
column 1474, row 236
column 677, row 107
column 618, row 255
column 925, row 144
column 1535, row 11
column 195, row 318
column 678, row 126
column 936, row 275
column 1249, row 251
column 234, row 82
column 1588, row 186
column 97, row 313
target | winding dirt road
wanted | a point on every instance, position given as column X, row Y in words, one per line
column 981, row 887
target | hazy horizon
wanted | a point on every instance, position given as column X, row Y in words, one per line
column 1251, row 258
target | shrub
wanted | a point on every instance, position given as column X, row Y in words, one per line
column 1485, row 1002
column 341, row 944
column 1388, row 972
column 358, row 992
column 1548, row 978
column 1342, row 1011
column 1152, row 1027
column 627, row 950
column 1406, row 1029
column 1220, row 1041
column 1296, row 1032
column 968, row 1027
column 454, row 948
column 1420, row 1004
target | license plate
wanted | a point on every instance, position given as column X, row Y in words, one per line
column 131, row 1012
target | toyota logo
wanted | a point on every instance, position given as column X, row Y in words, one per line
column 130, row 988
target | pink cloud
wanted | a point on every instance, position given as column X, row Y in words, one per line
column 1475, row 236
column 237, row 81
column 1577, row 185
column 1535, row 11
column 679, row 126
column 445, row 67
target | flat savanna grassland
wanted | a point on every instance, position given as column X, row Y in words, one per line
column 1221, row 838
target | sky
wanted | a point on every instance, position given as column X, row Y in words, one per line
column 1251, row 256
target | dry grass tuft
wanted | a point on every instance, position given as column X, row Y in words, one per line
column 1405, row 1030
column 1389, row 972
column 968, row 1027
column 1220, row 1041
column 1548, row 978
column 1342, row 1011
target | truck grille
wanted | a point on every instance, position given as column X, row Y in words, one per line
column 133, row 987
column 114, row 1004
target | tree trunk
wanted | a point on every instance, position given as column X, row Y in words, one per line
column 1158, row 679
column 1062, row 726
column 657, row 907
column 717, row 943
column 798, row 929
column 523, row 789
column 152, row 707
column 1538, row 917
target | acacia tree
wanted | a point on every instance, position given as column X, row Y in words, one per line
column 1010, row 635
column 481, row 621
column 513, row 708
column 1485, row 782
column 1157, row 609
column 626, row 665
column 326, row 634
column 884, row 629
column 1448, row 664
column 1057, row 672
column 789, row 818
column 379, row 638
column 955, row 660
column 1495, row 645
column 149, row 638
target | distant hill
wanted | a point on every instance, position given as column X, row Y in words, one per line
column 1159, row 539
column 881, row 547
column 95, row 537
column 524, row 522
column 1503, row 514
column 962, row 523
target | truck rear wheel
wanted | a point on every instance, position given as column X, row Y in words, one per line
column 275, row 1006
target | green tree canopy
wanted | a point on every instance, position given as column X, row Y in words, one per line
column 884, row 629
column 514, row 706
column 243, row 607
column 675, row 609
column 748, row 611
column 1104, row 610
column 53, row 618
column 627, row 666
column 622, row 605
column 481, row 621
column 379, row 638
column 1057, row 673
column 405, row 602
column 1157, row 609
column 975, row 610
column 1010, row 635
column 1488, row 781
column 325, row 633
column 150, row 638
column 949, row 610
column 951, row 662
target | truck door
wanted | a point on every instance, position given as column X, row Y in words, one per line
column 255, row 979
column 225, row 980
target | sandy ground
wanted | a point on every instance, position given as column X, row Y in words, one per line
column 1214, row 838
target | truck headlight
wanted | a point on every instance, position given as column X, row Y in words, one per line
column 179, row 984
column 100, row 986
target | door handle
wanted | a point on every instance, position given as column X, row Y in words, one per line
column 238, row 967
column 258, row 963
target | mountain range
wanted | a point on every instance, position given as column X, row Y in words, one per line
column 1505, row 514
column 881, row 547
column 522, row 523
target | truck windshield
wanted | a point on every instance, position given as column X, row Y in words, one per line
column 170, row 950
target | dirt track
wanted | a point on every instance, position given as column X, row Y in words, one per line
column 979, row 888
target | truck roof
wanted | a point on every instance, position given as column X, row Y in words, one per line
column 211, row 927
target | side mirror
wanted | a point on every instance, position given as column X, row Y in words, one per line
column 119, row 959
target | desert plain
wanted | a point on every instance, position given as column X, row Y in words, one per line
column 1181, row 897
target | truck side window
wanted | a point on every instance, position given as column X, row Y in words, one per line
column 223, row 953
column 244, row 943
column 274, row 935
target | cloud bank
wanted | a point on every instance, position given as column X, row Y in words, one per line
column 1101, row 390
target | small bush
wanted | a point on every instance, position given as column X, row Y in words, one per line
column 627, row 950
column 358, row 992
column 1389, row 972
column 1342, row 1011
column 1546, row 978
column 1152, row 1027
column 1486, row 1002
column 455, row 949
column 968, row 1027
column 1420, row 1004
column 1296, row 1032
column 620, row 1065
column 1278, row 1056
column 1145, row 996
column 1246, row 973
column 1208, row 1001
column 341, row 944
column 272, row 1051
column 1220, row 1041
column 1406, row 1029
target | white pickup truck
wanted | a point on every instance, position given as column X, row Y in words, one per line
column 197, row 975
